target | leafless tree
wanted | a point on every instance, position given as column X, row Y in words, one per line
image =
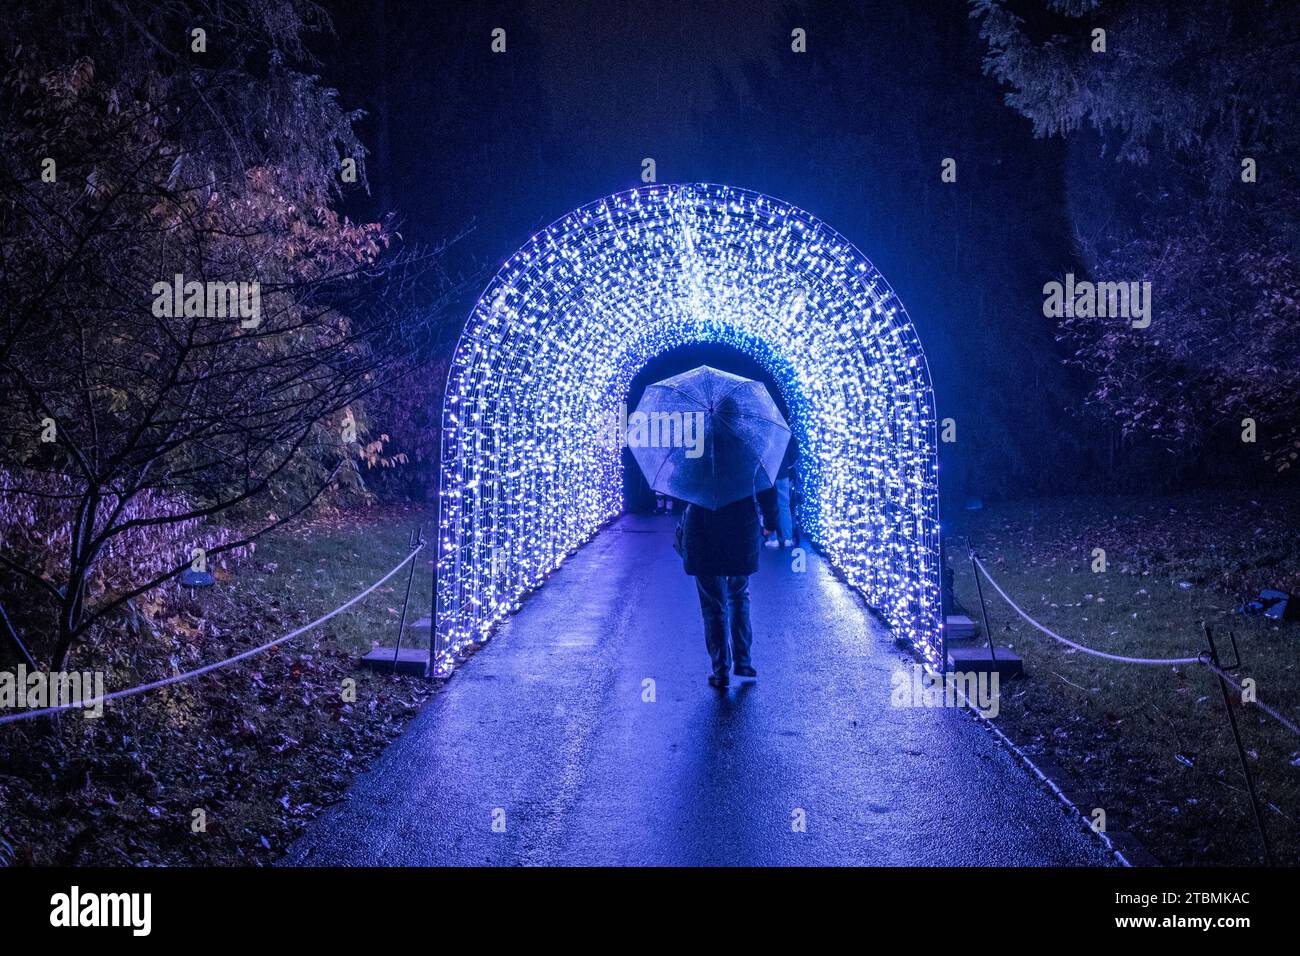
column 188, row 327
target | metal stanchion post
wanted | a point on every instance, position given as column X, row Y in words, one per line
column 984, row 611
column 1236, row 734
column 416, row 538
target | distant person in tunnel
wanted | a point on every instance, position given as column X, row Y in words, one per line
column 720, row 550
column 784, row 488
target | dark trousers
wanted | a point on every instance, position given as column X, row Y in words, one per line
column 721, row 597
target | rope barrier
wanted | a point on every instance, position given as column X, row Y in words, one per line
column 1284, row 721
column 1159, row 661
column 1200, row 659
column 208, row 668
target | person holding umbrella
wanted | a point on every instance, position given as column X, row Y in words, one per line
column 727, row 483
column 720, row 550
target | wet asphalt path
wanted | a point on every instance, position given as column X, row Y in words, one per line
column 545, row 731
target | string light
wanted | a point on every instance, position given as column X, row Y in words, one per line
column 531, row 468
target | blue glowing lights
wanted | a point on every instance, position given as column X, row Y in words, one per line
column 528, row 469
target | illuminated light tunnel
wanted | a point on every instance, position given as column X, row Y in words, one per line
column 531, row 461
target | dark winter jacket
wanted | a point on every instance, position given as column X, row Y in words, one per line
column 725, row 541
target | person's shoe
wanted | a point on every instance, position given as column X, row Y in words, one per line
column 772, row 543
column 745, row 670
column 719, row 681
column 787, row 543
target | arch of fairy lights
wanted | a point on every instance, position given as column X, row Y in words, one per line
column 530, row 470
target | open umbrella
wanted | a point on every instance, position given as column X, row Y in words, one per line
column 708, row 437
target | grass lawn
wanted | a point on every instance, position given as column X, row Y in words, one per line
column 1152, row 740
column 323, row 565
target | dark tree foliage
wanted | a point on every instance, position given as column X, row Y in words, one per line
column 1187, row 104
column 133, row 151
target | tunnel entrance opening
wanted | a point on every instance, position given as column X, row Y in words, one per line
column 637, row 496
column 532, row 469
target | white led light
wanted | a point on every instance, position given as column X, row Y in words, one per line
column 528, row 470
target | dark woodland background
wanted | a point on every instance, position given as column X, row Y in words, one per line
column 1144, row 184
